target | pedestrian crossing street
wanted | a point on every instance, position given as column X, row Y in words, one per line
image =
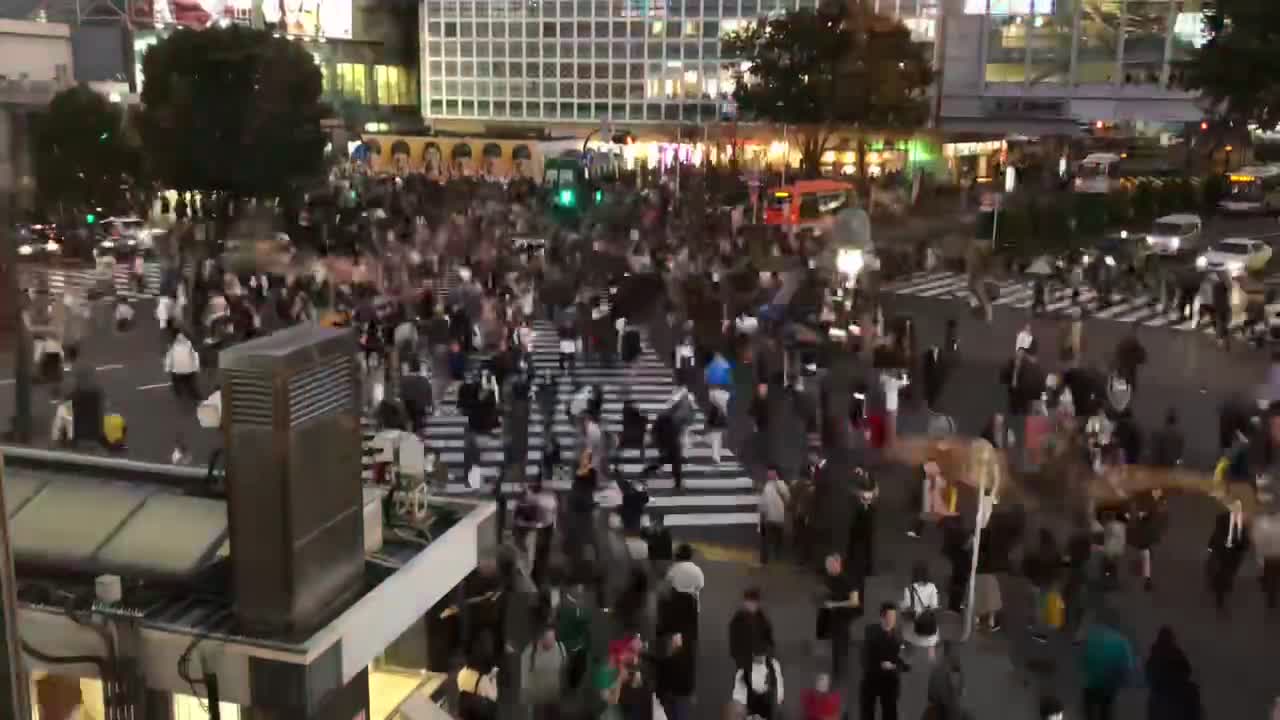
column 78, row 281
column 1143, row 309
column 714, row 495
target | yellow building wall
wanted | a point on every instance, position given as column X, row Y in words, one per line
column 435, row 155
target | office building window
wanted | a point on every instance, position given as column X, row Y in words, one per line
column 566, row 30
column 549, row 110
column 468, row 108
column 566, row 90
column 566, row 110
column 482, row 30
column 482, row 48
column 482, row 108
column 451, row 29
column 499, row 30
column 395, row 85
column 437, row 107
column 466, row 30
column 483, row 89
column 500, row 108
column 351, row 82
column 548, row 29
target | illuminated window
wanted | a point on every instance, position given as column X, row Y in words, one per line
column 395, row 85
column 351, row 82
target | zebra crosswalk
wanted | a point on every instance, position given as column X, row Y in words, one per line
column 1142, row 308
column 79, row 281
column 714, row 494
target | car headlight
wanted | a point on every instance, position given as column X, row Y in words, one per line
column 1175, row 243
column 1110, row 261
column 1151, row 239
column 850, row 262
column 25, row 249
column 132, row 241
column 107, row 244
column 1202, row 262
column 52, row 246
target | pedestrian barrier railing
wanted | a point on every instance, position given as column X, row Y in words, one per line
column 38, row 459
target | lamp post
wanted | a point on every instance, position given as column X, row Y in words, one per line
column 986, row 506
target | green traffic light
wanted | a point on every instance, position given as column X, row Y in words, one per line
column 103, row 137
column 90, row 219
column 566, row 198
column 599, row 196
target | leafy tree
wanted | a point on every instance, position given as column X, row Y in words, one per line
column 232, row 110
column 821, row 70
column 1238, row 68
column 83, row 155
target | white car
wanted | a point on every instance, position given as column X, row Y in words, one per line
column 1174, row 234
column 1235, row 256
column 125, row 234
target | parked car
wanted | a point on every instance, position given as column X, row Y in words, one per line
column 124, row 237
column 1235, row 256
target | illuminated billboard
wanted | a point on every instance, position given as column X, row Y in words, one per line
column 310, row 18
column 196, row 14
column 305, row 18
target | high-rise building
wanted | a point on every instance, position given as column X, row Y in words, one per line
column 1048, row 66
column 582, row 61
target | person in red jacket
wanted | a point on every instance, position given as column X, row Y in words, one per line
column 820, row 702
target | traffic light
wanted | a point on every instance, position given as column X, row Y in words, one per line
column 599, row 196
column 1204, row 126
column 90, row 219
column 567, row 198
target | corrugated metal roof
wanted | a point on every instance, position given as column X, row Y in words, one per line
column 89, row 526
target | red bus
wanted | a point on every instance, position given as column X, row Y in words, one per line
column 807, row 202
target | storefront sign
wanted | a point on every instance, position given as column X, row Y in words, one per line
column 1025, row 107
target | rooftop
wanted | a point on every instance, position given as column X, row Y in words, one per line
column 73, row 520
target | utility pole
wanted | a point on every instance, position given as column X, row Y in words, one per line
column 11, row 299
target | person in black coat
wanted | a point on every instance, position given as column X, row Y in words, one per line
column 674, row 684
column 860, row 549
column 1146, row 521
column 1228, row 545
column 1167, row 445
column 1173, row 695
column 882, row 667
column 933, row 375
column 749, row 630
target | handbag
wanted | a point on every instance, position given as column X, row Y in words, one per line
column 925, row 622
column 822, row 631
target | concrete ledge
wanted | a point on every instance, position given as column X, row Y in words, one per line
column 37, row 459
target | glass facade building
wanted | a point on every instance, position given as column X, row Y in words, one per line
column 1087, row 42
column 582, row 61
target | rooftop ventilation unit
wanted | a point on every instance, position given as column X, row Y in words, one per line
column 292, row 431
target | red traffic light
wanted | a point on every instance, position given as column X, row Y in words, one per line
column 1203, row 126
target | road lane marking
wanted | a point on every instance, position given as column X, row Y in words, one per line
column 113, row 366
column 715, row 552
column 153, row 387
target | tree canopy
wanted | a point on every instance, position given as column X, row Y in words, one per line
column 1238, row 67
column 233, row 110
column 822, row 69
column 83, row 154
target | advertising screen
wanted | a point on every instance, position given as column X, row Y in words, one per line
column 196, row 14
column 310, row 18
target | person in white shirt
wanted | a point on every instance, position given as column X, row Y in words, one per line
column 759, row 688
column 182, row 363
column 123, row 315
column 774, row 498
column 920, row 605
column 892, row 383
column 684, row 575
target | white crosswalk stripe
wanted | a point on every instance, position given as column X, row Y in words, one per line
column 78, row 281
column 1141, row 309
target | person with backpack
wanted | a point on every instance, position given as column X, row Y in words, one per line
column 759, row 687
column 920, row 607
column 543, row 668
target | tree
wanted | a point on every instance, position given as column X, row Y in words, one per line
column 1238, row 67
column 232, row 110
column 819, row 70
column 83, row 155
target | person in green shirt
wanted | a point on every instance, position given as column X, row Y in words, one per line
column 1107, row 664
